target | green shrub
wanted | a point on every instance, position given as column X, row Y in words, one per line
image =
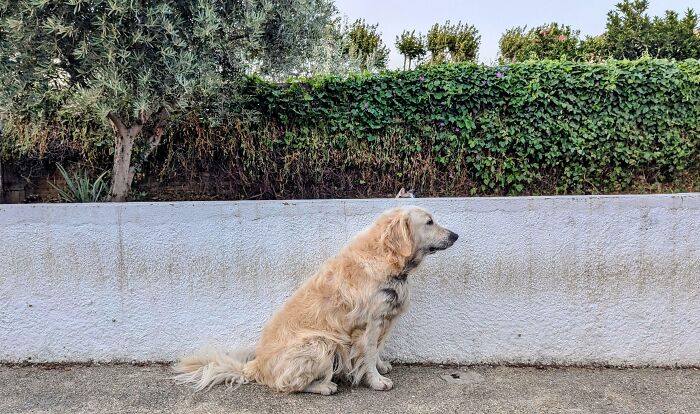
column 538, row 127
column 581, row 126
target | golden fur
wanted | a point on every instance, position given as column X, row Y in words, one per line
column 337, row 322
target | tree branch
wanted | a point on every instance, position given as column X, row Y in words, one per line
column 118, row 124
column 143, row 118
column 139, row 123
column 158, row 130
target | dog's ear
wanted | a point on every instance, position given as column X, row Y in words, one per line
column 397, row 237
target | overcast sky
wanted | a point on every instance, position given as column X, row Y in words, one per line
column 491, row 18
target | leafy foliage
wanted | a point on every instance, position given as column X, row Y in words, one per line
column 138, row 63
column 549, row 41
column 411, row 46
column 453, row 43
column 577, row 126
column 631, row 33
column 592, row 49
column 537, row 127
column 329, row 55
column 80, row 188
column 366, row 46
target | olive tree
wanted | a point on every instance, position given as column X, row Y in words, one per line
column 134, row 65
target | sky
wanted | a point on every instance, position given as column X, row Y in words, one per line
column 491, row 18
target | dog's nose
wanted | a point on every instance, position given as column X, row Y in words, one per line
column 453, row 236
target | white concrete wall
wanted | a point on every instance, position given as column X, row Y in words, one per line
column 564, row 280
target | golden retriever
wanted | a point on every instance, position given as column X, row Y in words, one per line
column 336, row 323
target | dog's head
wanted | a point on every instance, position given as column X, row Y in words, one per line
column 408, row 234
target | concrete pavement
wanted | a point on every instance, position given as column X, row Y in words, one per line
column 418, row 389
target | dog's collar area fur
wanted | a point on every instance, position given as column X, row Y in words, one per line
column 402, row 274
column 401, row 277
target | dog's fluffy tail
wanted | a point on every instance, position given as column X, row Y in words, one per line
column 212, row 366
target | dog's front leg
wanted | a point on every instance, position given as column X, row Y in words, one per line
column 369, row 344
column 384, row 367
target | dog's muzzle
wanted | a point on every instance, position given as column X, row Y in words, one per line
column 445, row 243
column 452, row 237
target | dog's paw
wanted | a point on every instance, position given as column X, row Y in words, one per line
column 328, row 388
column 380, row 383
column 383, row 367
column 323, row 388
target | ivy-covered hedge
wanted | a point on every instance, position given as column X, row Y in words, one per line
column 545, row 127
column 560, row 126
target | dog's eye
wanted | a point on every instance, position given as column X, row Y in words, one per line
column 430, row 222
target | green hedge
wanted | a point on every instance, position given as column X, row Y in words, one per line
column 559, row 126
column 545, row 127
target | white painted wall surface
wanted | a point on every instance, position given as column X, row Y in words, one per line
column 563, row 280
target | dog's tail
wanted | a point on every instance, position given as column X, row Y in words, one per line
column 212, row 366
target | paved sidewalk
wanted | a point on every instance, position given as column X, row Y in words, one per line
column 146, row 389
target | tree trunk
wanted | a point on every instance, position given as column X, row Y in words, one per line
column 404, row 63
column 122, row 170
column 123, row 146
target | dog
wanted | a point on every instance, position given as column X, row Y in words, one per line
column 335, row 324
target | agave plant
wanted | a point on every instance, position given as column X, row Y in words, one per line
column 79, row 188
